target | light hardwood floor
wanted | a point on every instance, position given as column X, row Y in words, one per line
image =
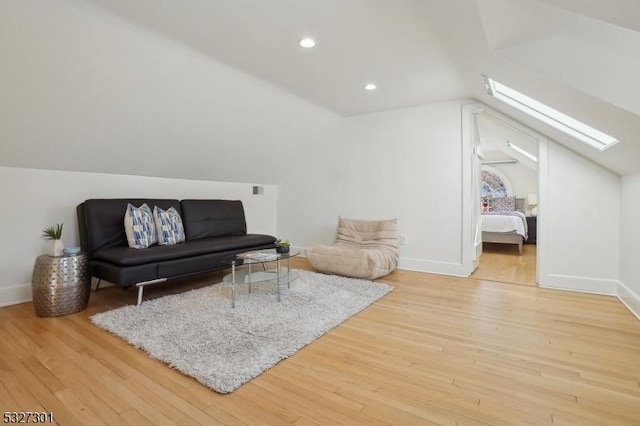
column 502, row 262
column 436, row 350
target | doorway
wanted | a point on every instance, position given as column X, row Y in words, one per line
column 507, row 152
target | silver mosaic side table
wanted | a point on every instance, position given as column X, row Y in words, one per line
column 60, row 285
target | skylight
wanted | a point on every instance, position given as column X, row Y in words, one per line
column 552, row 117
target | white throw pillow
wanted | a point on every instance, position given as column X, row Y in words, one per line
column 139, row 226
column 169, row 226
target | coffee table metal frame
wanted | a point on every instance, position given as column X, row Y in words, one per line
column 263, row 275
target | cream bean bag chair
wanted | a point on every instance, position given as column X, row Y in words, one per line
column 363, row 249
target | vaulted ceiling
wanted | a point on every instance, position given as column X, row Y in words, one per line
column 391, row 43
column 495, row 137
column 579, row 56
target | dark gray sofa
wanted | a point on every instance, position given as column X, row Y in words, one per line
column 215, row 232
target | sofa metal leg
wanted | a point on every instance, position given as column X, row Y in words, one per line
column 140, row 291
column 98, row 280
column 146, row 283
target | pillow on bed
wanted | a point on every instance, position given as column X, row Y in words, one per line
column 487, row 204
column 504, row 204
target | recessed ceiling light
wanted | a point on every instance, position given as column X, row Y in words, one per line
column 370, row 86
column 307, row 43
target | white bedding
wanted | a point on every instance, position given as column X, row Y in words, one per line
column 507, row 222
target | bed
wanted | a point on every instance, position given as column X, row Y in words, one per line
column 503, row 222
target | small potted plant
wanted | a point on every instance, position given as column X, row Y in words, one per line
column 282, row 246
column 54, row 234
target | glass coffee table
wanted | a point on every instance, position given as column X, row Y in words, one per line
column 256, row 270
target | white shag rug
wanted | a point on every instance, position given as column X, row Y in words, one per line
column 199, row 334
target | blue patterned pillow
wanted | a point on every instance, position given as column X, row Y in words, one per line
column 139, row 227
column 169, row 226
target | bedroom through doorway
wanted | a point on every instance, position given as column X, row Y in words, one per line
column 508, row 188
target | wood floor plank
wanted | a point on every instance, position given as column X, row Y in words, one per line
column 29, row 392
column 141, row 403
column 303, row 403
column 219, row 415
column 53, row 383
column 436, row 350
column 308, row 389
column 133, row 417
column 502, row 262
column 164, row 400
column 9, row 403
column 86, row 373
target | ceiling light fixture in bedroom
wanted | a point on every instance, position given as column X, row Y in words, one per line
column 370, row 87
column 522, row 151
column 550, row 116
column 307, row 43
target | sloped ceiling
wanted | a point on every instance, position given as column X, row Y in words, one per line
column 579, row 56
column 589, row 54
column 494, row 137
column 358, row 41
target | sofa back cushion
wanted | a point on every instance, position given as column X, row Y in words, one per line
column 213, row 218
column 101, row 221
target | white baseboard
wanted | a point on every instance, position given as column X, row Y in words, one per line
column 581, row 284
column 630, row 299
column 432, row 267
column 22, row 293
column 15, row 294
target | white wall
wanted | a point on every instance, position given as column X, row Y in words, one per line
column 408, row 164
column 578, row 223
column 629, row 291
column 84, row 90
column 403, row 163
column 35, row 199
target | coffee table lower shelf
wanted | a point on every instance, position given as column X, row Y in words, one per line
column 251, row 274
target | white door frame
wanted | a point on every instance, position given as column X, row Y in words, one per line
column 468, row 142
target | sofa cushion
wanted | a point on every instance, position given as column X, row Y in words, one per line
column 212, row 218
column 169, row 226
column 139, row 226
column 126, row 256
